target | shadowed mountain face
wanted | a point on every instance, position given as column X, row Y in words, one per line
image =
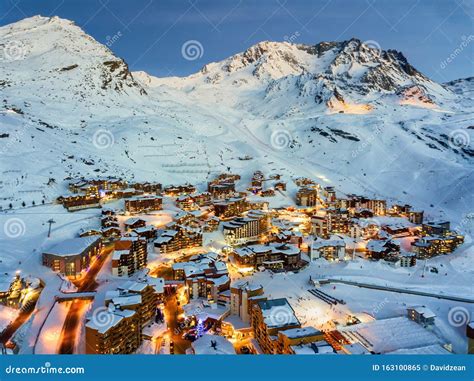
column 353, row 115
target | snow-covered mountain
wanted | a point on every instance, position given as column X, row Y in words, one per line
column 346, row 113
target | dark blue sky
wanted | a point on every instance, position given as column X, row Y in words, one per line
column 149, row 34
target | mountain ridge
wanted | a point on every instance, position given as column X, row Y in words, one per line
column 343, row 113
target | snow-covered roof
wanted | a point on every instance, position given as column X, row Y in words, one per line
column 316, row 348
column 203, row 310
column 237, row 322
column 133, row 220
column 162, row 239
column 213, row 345
column 275, row 248
column 73, row 246
column 355, row 349
column 110, row 320
column 377, row 245
column 388, row 335
column 127, row 300
column 425, row 311
column 296, row 333
column 118, row 254
column 278, row 313
column 246, row 285
column 219, row 281
column 320, row 243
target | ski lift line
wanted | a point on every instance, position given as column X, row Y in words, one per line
column 402, row 290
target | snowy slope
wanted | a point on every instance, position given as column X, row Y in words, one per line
column 345, row 113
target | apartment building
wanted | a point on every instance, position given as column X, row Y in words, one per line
column 143, row 204
column 269, row 317
column 274, row 256
column 72, row 256
column 307, row 196
column 246, row 229
column 130, row 255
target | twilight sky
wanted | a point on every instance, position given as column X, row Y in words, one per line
column 149, row 34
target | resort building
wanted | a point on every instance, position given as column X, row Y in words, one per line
column 118, row 329
column 231, row 207
column 180, row 238
column 383, row 249
column 118, row 332
column 330, row 249
column 204, row 276
column 272, row 256
column 421, row 315
column 130, row 255
column 246, row 229
column 436, row 228
column 270, row 317
column 430, row 246
column 174, row 191
column 407, row 259
column 243, row 296
column 296, row 340
column 307, row 196
column 72, row 256
column 143, row 204
column 134, row 223
column 79, row 202
column 147, row 187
